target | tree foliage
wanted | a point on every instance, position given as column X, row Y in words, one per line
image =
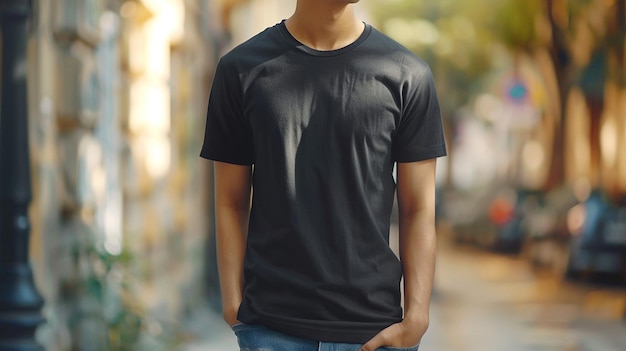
column 466, row 44
column 516, row 22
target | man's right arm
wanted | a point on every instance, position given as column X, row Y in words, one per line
column 232, row 211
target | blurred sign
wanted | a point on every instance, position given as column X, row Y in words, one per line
column 521, row 102
column 517, row 91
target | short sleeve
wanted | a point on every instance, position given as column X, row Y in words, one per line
column 419, row 135
column 228, row 137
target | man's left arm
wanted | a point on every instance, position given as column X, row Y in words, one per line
column 416, row 207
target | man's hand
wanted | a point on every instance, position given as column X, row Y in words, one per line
column 230, row 316
column 404, row 334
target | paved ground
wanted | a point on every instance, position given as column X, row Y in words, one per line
column 490, row 302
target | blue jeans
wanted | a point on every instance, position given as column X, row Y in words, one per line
column 254, row 337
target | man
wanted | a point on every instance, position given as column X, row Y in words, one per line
column 312, row 114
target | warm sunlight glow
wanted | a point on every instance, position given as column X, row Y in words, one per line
column 158, row 158
column 582, row 189
column 608, row 141
column 576, row 219
column 150, row 116
column 578, row 160
column 412, row 32
column 533, row 155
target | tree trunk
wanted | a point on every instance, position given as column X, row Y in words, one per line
column 561, row 60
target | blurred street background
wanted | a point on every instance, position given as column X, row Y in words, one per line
column 531, row 201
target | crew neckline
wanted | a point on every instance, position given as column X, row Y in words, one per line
column 314, row 52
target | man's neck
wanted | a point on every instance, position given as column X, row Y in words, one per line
column 324, row 24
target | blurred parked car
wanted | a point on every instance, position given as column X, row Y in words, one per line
column 579, row 238
column 507, row 213
column 466, row 213
column 547, row 235
column 492, row 218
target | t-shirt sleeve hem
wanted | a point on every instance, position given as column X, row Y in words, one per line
column 417, row 156
column 222, row 158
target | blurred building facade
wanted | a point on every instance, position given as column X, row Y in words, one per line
column 121, row 209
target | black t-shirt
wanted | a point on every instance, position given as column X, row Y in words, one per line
column 323, row 130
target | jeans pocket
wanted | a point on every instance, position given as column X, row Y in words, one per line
column 237, row 326
column 246, row 335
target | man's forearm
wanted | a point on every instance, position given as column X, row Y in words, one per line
column 231, row 247
column 232, row 210
column 417, row 254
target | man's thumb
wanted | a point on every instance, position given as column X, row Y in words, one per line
column 373, row 344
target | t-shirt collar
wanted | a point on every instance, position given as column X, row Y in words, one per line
column 292, row 41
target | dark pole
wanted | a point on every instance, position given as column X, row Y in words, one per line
column 20, row 303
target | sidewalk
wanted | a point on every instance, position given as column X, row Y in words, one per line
column 488, row 302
